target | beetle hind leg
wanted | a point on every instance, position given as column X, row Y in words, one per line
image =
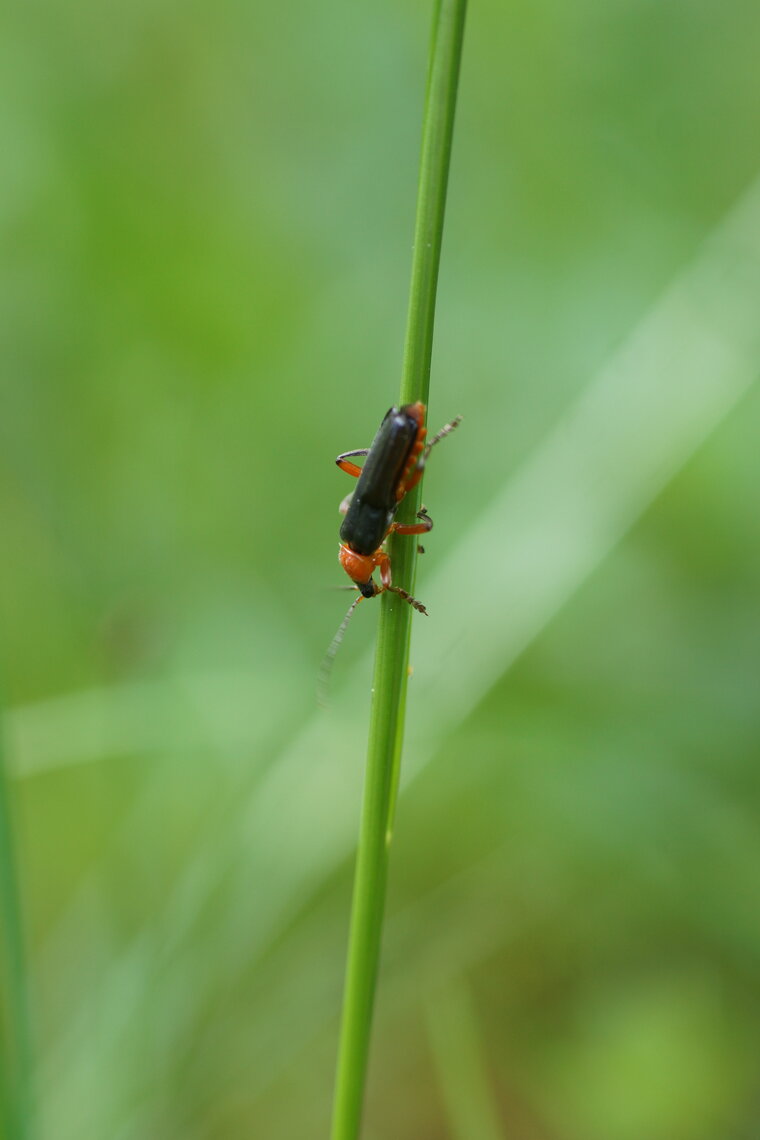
column 343, row 461
column 447, row 429
column 418, row 469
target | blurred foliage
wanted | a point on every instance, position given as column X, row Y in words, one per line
column 206, row 217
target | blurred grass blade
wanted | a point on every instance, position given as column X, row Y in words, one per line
column 651, row 405
column 16, row 1052
column 392, row 659
column 461, row 1063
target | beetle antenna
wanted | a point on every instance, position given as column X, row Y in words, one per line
column 325, row 669
column 408, row 598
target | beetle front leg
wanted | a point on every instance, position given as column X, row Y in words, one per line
column 383, row 563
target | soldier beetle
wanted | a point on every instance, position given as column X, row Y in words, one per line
column 394, row 464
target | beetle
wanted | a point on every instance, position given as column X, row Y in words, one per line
column 394, row 464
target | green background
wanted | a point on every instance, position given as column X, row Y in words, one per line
column 206, row 214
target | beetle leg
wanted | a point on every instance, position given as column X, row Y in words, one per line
column 422, row 527
column 412, row 528
column 351, row 468
column 447, row 429
column 419, row 468
column 383, row 563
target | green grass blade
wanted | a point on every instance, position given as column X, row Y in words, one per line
column 391, row 661
column 437, row 132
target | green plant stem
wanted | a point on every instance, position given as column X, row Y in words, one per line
column 16, row 1054
column 392, row 656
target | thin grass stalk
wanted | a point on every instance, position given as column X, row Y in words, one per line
column 392, row 656
column 16, row 1052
